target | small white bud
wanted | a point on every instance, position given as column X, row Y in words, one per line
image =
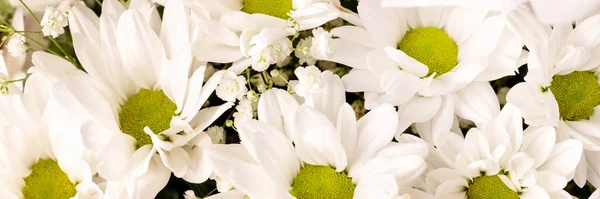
column 231, row 87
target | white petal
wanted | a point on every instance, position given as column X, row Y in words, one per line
column 330, row 96
column 539, row 144
column 538, row 108
column 272, row 149
column 551, row 181
column 476, row 146
column 320, row 145
column 462, row 22
column 406, row 62
column 354, row 34
column 177, row 160
column 140, row 48
column 375, row 129
column 174, row 78
column 381, row 186
column 200, row 168
column 441, row 122
column 194, row 86
column 476, row 102
column 564, row 157
column 401, row 85
column 253, row 181
column 82, row 20
column 207, row 116
column 175, row 33
column 112, row 161
column 417, row 110
column 346, row 129
column 149, row 184
column 359, row 80
column 383, row 24
column 273, row 107
column 535, row 192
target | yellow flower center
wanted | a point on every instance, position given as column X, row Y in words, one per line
column 48, row 181
column 432, row 47
column 490, row 187
column 276, row 8
column 577, row 94
column 146, row 108
column 322, row 182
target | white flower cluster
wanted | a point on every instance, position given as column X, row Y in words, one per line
column 398, row 99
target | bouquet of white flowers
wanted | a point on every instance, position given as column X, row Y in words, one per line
column 307, row 99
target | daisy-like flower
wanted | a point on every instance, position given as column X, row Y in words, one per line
column 562, row 87
column 143, row 108
column 332, row 156
column 431, row 62
column 42, row 152
column 499, row 160
column 254, row 32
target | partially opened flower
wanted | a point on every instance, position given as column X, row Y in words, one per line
column 309, row 151
column 499, row 160
column 562, row 87
column 142, row 106
column 431, row 62
column 42, row 152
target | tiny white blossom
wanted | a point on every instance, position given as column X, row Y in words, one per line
column 252, row 96
column 244, row 109
column 216, row 134
column 309, row 80
column 278, row 51
column 189, row 194
column 321, row 43
column 16, row 45
column 231, row 87
column 55, row 19
column 302, row 53
column 53, row 22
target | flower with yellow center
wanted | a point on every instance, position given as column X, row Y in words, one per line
column 499, row 160
column 42, row 157
column 431, row 62
column 318, row 150
column 562, row 86
column 140, row 99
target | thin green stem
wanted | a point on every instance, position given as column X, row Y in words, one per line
column 248, row 78
column 30, row 12
column 42, row 45
column 99, row 3
column 208, row 194
column 26, row 31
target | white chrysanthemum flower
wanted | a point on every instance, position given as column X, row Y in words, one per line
column 244, row 31
column 42, row 152
column 16, row 45
column 547, row 11
column 143, row 108
column 231, row 87
column 562, row 86
column 309, row 80
column 303, row 52
column 332, row 155
column 434, row 63
column 499, row 160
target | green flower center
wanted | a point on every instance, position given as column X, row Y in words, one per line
column 276, row 8
column 322, row 182
column 577, row 94
column 146, row 108
column 489, row 187
column 432, row 47
column 48, row 181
